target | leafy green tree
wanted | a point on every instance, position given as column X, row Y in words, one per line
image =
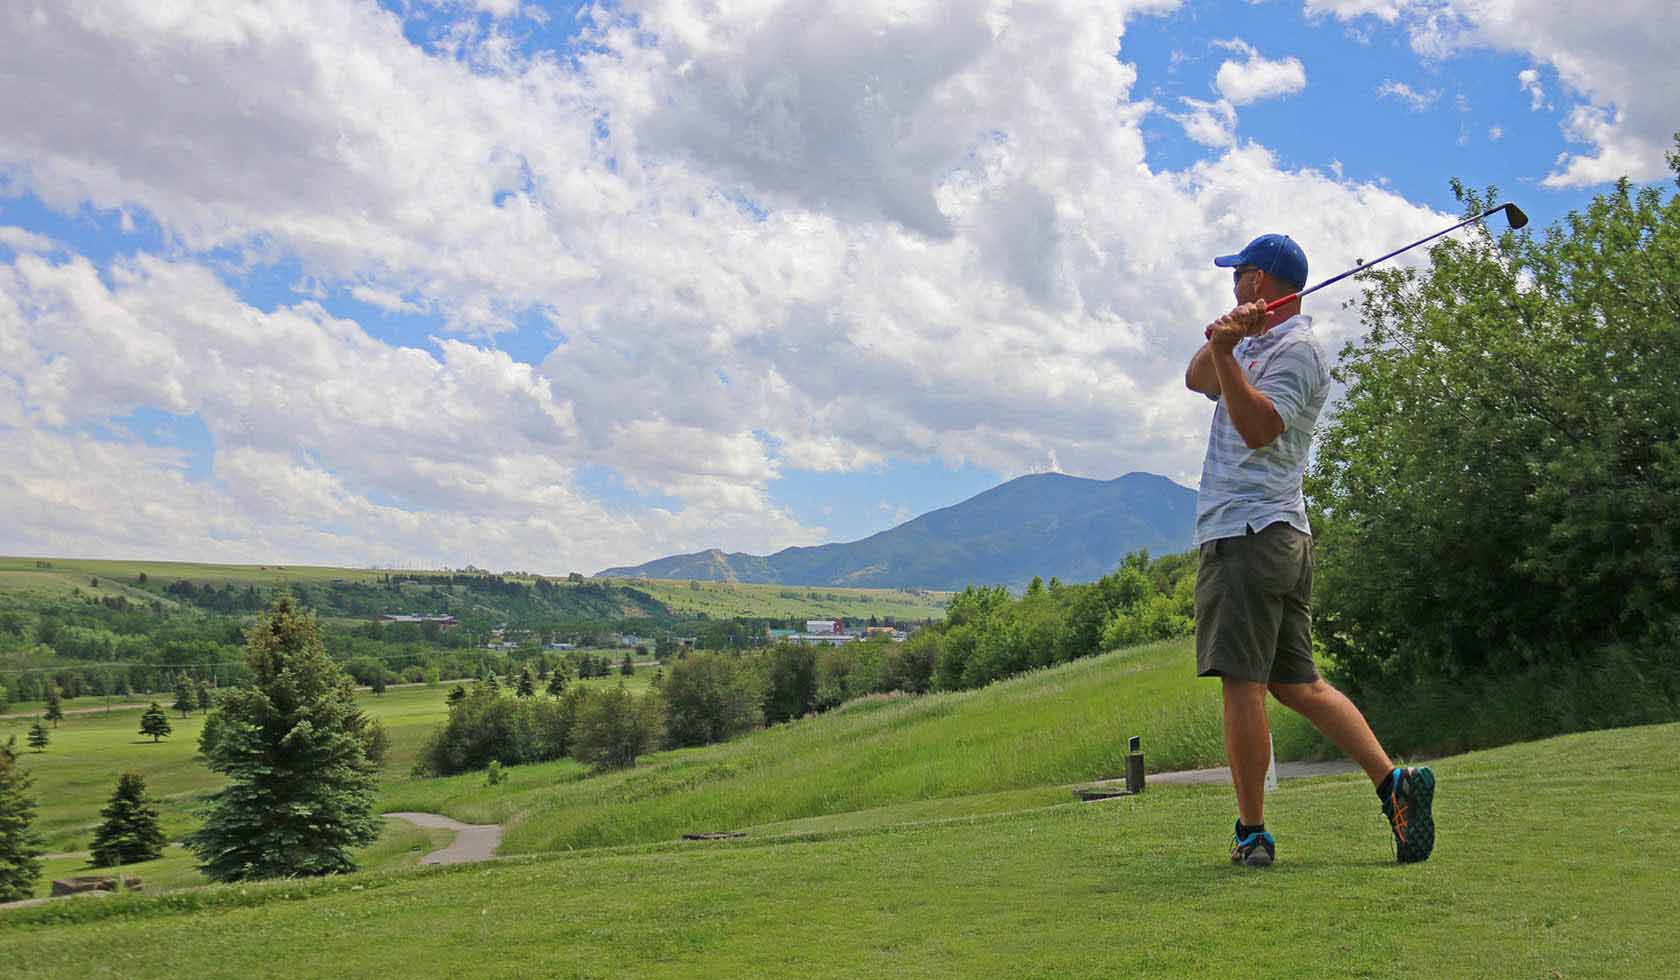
column 1496, row 494
column 203, row 696
column 791, row 683
column 626, row 667
column 5, row 697
column 526, row 685
column 711, row 697
column 294, row 749
column 38, row 736
column 456, row 695
column 186, row 699
column 376, row 683
column 614, row 727
column 20, row 848
column 55, row 707
column 129, row 833
column 155, row 723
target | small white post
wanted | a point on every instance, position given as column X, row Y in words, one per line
column 1271, row 765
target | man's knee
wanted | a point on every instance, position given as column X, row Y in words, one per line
column 1238, row 691
column 1296, row 695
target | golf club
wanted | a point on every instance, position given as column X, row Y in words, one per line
column 1513, row 215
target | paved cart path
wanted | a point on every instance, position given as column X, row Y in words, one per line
column 473, row 842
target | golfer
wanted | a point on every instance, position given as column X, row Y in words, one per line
column 1269, row 378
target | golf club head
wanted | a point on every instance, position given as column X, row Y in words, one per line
column 1514, row 215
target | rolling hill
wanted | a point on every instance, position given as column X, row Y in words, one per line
column 1041, row 524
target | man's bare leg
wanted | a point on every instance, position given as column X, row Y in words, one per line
column 1333, row 714
column 1247, row 746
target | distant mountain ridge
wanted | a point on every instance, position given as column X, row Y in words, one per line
column 1041, row 524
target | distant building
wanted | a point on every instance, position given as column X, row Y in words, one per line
column 816, row 626
column 446, row 622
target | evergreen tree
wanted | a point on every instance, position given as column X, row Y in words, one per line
column 456, row 695
column 5, row 697
column 299, row 796
column 557, row 682
column 55, row 709
column 627, row 667
column 155, row 723
column 527, row 686
column 38, row 736
column 20, row 849
column 376, row 683
column 130, row 832
column 185, row 698
column 204, row 699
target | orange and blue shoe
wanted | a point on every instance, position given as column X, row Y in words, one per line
column 1256, row 849
column 1407, row 805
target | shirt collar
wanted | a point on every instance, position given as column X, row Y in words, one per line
column 1278, row 332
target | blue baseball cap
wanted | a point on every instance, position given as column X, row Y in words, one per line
column 1275, row 255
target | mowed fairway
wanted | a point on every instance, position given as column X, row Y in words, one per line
column 1556, row 859
column 76, row 774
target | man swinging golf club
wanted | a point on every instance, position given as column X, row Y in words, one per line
column 1269, row 378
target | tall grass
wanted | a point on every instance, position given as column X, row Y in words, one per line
column 1051, row 727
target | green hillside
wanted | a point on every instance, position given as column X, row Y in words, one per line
column 1553, row 862
column 1031, row 734
column 363, row 593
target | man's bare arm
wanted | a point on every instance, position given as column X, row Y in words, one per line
column 1255, row 417
column 1201, row 375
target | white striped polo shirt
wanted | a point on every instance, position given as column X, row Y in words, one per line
column 1246, row 489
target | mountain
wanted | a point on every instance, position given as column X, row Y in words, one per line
column 1043, row 524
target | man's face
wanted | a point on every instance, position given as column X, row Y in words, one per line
column 1246, row 283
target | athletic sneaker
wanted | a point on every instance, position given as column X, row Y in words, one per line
column 1255, row 850
column 1407, row 807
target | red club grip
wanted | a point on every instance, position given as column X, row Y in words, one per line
column 1271, row 307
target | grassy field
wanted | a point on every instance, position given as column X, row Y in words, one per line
column 1555, row 860
column 1030, row 734
column 74, row 777
column 726, row 599
column 60, row 577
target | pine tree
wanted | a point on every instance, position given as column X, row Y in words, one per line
column 130, row 832
column 456, row 695
column 627, row 667
column 155, row 723
column 20, row 849
column 203, row 696
column 299, row 795
column 376, row 684
column 38, row 736
column 557, row 682
column 527, row 686
column 185, row 699
column 55, row 709
column 5, row 697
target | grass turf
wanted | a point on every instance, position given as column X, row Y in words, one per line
column 1045, row 729
column 1555, row 860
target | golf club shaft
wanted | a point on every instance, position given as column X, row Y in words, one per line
column 1285, row 300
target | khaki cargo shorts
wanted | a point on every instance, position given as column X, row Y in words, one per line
column 1254, row 607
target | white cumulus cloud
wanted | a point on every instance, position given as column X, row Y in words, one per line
column 1257, row 77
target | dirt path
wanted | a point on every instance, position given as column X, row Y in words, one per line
column 473, row 842
column 97, row 709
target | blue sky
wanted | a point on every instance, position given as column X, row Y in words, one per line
column 567, row 286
